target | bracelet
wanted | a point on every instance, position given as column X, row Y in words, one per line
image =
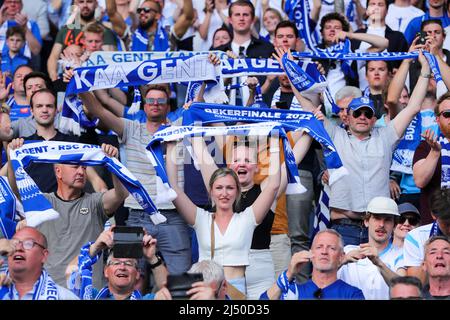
column 426, row 75
column 157, row 263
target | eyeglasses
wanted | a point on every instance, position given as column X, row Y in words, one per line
column 127, row 263
column 27, row 244
column 318, row 294
column 445, row 114
column 367, row 113
column 146, row 10
column 412, row 220
column 158, row 100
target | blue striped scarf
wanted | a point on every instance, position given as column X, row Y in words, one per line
column 8, row 208
column 140, row 40
column 289, row 119
column 445, row 156
column 37, row 208
column 44, row 289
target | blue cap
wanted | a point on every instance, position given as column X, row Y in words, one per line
column 361, row 102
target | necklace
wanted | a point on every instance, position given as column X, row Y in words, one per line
column 244, row 194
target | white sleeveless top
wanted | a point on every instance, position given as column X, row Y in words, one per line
column 231, row 248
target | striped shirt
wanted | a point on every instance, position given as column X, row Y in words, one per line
column 135, row 139
column 413, row 248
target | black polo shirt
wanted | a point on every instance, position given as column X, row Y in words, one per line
column 43, row 173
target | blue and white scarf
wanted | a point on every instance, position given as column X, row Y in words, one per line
column 164, row 70
column 299, row 12
column 80, row 281
column 322, row 218
column 106, row 294
column 175, row 133
column 9, row 205
column 288, row 288
column 445, row 157
column 136, row 104
column 139, row 41
column 402, row 158
column 290, row 120
column 37, row 208
column 44, row 289
column 73, row 118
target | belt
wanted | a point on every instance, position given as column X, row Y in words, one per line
column 348, row 221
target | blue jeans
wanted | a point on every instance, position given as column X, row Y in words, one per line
column 352, row 234
column 172, row 236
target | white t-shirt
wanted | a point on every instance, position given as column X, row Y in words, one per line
column 397, row 18
column 365, row 275
column 413, row 248
column 231, row 248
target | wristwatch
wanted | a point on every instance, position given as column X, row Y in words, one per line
column 426, row 75
column 157, row 263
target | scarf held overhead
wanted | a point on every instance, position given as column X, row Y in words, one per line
column 290, row 120
column 37, row 208
column 174, row 133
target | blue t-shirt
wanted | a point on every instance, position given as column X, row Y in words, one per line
column 148, row 296
column 338, row 290
column 10, row 64
column 17, row 110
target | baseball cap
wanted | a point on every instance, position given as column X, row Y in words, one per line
column 361, row 102
column 408, row 208
column 383, row 205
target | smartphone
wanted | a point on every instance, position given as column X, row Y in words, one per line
column 179, row 284
column 422, row 37
column 128, row 242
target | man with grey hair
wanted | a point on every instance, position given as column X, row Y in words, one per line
column 326, row 255
column 343, row 97
column 405, row 288
column 437, row 267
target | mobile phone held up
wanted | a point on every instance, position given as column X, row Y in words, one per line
column 422, row 37
column 179, row 284
column 128, row 242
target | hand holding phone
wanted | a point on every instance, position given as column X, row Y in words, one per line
column 128, row 242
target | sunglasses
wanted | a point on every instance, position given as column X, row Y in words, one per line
column 318, row 294
column 412, row 220
column 445, row 114
column 146, row 10
column 367, row 113
column 158, row 100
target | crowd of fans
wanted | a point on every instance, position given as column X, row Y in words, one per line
column 386, row 232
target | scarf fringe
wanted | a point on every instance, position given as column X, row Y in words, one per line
column 295, row 188
column 35, row 218
column 336, row 174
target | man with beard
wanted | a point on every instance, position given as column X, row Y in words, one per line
column 150, row 35
column 371, row 266
column 72, row 34
column 326, row 255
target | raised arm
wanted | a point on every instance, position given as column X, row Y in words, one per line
column 52, row 62
column 96, row 109
column 117, row 22
column 403, row 119
column 114, row 197
column 185, row 20
column 205, row 160
column 378, row 43
column 423, row 170
column 265, row 200
column 116, row 107
column 301, row 147
column 182, row 202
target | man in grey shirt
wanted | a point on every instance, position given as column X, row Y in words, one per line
column 82, row 215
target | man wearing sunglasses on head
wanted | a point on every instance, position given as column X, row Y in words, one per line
column 366, row 152
column 27, row 279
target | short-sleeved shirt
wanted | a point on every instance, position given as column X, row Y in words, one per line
column 17, row 111
column 413, row 247
column 338, row 290
column 365, row 275
column 24, row 127
column 368, row 162
column 231, row 248
column 135, row 139
column 422, row 152
column 43, row 173
column 80, row 221
column 67, row 37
